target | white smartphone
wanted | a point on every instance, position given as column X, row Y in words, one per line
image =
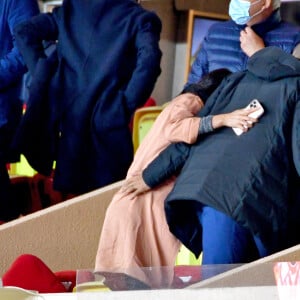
column 256, row 114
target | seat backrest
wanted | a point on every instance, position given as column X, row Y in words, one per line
column 142, row 121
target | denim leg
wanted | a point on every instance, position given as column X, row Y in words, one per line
column 224, row 240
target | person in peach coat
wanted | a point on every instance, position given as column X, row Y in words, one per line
column 135, row 233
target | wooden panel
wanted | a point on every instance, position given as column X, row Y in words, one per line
column 212, row 6
column 194, row 30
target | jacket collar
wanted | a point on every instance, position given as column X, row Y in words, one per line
column 262, row 28
column 272, row 63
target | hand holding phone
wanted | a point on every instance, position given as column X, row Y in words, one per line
column 255, row 114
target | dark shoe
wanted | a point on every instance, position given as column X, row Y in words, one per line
column 122, row 282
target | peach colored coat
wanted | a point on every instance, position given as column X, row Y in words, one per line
column 135, row 233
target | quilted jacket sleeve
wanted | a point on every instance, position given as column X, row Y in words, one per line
column 167, row 163
column 200, row 65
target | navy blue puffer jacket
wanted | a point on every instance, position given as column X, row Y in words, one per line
column 221, row 47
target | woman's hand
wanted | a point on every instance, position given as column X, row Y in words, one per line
column 134, row 186
column 238, row 119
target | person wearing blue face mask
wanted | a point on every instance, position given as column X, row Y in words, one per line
column 239, row 10
column 254, row 24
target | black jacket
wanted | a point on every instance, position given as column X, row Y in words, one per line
column 252, row 177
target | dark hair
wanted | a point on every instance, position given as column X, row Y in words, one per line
column 207, row 84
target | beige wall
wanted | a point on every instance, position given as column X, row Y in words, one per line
column 165, row 10
column 257, row 273
column 65, row 236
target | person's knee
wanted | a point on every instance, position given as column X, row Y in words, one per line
column 122, row 209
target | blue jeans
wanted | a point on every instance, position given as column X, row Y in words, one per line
column 225, row 241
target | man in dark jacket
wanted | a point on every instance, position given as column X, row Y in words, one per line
column 233, row 190
column 12, row 69
column 106, row 65
column 253, row 26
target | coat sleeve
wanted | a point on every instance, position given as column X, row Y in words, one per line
column 182, row 125
column 12, row 65
column 147, row 68
column 169, row 162
column 200, row 66
column 296, row 137
column 30, row 37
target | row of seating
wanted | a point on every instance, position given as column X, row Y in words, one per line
column 34, row 192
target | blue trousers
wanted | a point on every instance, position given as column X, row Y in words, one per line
column 225, row 241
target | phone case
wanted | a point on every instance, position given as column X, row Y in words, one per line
column 256, row 114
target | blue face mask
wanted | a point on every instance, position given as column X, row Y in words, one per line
column 239, row 11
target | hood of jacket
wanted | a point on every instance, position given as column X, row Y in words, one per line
column 272, row 64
